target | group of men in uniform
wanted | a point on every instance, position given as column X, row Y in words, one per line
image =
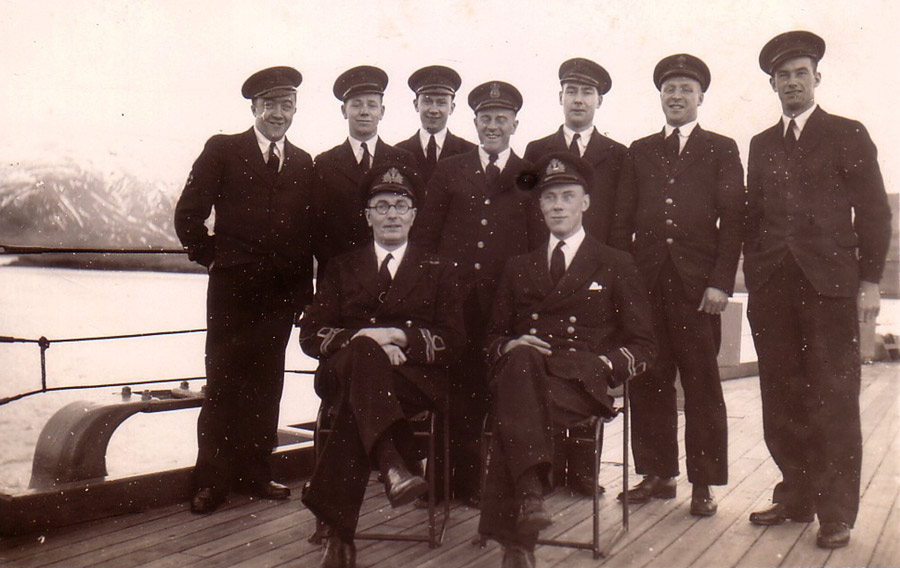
column 525, row 288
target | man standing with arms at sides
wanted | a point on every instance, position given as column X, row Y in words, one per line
column 570, row 320
column 474, row 215
column 339, row 198
column 818, row 234
column 260, row 275
column 681, row 209
column 435, row 88
column 583, row 85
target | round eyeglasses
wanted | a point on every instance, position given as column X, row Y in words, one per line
column 382, row 207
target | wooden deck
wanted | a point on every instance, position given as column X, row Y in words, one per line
column 253, row 534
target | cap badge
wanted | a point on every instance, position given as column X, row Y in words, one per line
column 556, row 167
column 495, row 91
column 393, row 175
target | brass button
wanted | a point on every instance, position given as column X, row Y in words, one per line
column 669, row 222
column 484, row 222
column 532, row 331
column 570, row 329
column 372, row 320
column 480, row 244
column 408, row 323
column 487, row 201
column 671, row 181
column 534, row 316
column 573, row 319
column 670, row 240
column 669, row 201
column 477, row 266
column 571, row 349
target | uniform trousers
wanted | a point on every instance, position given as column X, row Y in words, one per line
column 370, row 398
column 250, row 314
column 809, row 374
column 688, row 343
column 528, row 405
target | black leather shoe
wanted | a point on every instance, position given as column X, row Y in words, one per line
column 274, row 490
column 777, row 514
column 833, row 535
column 651, row 486
column 703, row 503
column 533, row 518
column 583, row 486
column 402, row 487
column 339, row 554
column 205, row 500
column 517, row 557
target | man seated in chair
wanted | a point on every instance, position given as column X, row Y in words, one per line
column 571, row 319
column 385, row 322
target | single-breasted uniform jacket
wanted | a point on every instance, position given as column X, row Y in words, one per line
column 691, row 209
column 605, row 157
column 453, row 146
column 340, row 200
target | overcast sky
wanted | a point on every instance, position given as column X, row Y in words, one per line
column 140, row 85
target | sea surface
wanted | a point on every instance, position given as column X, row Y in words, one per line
column 63, row 303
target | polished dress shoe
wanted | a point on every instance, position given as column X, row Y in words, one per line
column 651, row 486
column 274, row 490
column 584, row 486
column 402, row 487
column 703, row 503
column 205, row 500
column 833, row 535
column 777, row 514
column 532, row 518
column 517, row 557
column 339, row 554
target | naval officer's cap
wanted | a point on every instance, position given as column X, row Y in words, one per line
column 682, row 65
column 789, row 45
column 435, row 80
column 272, row 82
column 585, row 72
column 495, row 94
column 557, row 168
column 362, row 80
column 391, row 178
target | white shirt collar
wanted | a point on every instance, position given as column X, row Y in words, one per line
column 396, row 257
column 439, row 138
column 502, row 158
column 800, row 120
column 356, row 146
column 684, row 131
column 264, row 144
column 584, row 137
column 570, row 249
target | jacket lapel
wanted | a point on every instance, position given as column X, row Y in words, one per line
column 250, row 154
column 697, row 145
column 539, row 270
column 408, row 274
column 580, row 269
column 813, row 133
column 366, row 270
column 656, row 151
column 347, row 163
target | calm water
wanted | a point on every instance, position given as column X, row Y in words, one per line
column 61, row 304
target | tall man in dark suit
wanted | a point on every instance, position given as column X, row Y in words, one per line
column 681, row 210
column 259, row 259
column 583, row 85
column 435, row 87
column 570, row 319
column 817, row 238
column 339, row 197
column 385, row 324
column 474, row 215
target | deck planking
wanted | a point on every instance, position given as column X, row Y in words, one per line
column 254, row 533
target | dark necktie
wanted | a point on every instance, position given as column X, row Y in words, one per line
column 557, row 263
column 492, row 171
column 573, row 147
column 431, row 152
column 789, row 139
column 272, row 160
column 673, row 145
column 366, row 161
column 384, row 277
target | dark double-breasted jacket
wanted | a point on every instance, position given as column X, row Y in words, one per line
column 598, row 308
column 423, row 300
column 259, row 216
column 825, row 204
column 480, row 227
column 691, row 209
column 453, row 146
column 340, row 224
column 605, row 158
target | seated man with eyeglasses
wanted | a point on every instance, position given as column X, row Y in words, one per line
column 385, row 323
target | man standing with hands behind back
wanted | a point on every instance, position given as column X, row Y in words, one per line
column 435, row 88
column 818, row 234
column 681, row 208
column 260, row 275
